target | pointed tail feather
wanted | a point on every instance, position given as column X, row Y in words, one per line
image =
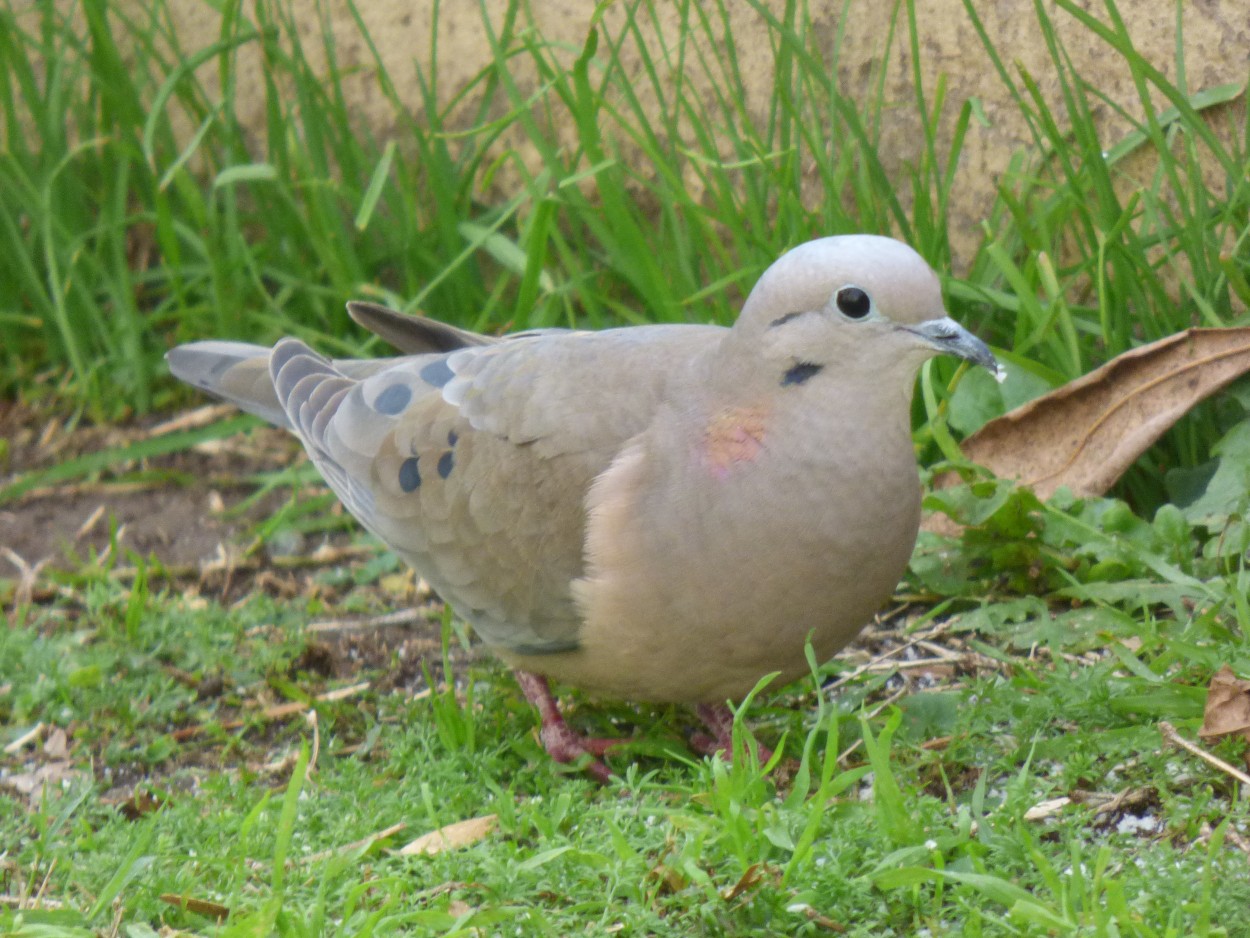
column 235, row 371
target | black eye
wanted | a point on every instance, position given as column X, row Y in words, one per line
column 853, row 302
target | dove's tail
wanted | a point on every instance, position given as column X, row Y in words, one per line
column 235, row 371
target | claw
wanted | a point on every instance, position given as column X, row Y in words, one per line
column 719, row 719
column 564, row 745
column 561, row 743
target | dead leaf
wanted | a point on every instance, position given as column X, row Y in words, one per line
column 669, row 880
column 52, row 775
column 824, row 921
column 141, row 803
column 1228, row 706
column 56, row 746
column 451, row 837
column 199, row 906
column 1046, row 809
column 750, row 878
column 1085, row 434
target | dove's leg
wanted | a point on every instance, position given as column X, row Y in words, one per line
column 561, row 743
column 719, row 719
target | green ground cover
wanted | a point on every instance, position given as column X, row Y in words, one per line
column 1045, row 648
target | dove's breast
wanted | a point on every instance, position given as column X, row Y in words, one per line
column 712, row 558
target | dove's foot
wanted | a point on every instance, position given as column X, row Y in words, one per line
column 561, row 743
column 719, row 719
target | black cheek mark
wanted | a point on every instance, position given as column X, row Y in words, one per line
column 437, row 373
column 409, row 475
column 452, row 438
column 446, row 463
column 782, row 320
column 799, row 373
column 393, row 400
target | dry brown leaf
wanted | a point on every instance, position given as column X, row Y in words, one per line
column 1228, row 706
column 1085, row 434
column 142, row 803
column 451, row 836
column 56, row 746
column 823, row 921
column 750, row 878
column 199, row 906
column 668, row 880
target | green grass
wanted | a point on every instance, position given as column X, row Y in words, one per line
column 1081, row 624
column 120, row 236
column 877, row 829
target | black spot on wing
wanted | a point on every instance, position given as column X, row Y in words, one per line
column 393, row 400
column 452, row 438
column 446, row 463
column 799, row 373
column 409, row 475
column 437, row 373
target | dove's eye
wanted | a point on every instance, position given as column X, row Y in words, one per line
column 853, row 302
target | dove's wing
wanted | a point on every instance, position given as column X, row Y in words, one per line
column 473, row 465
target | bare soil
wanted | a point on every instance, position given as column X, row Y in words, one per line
column 183, row 509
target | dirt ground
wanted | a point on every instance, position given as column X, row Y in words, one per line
column 171, row 516
column 184, row 510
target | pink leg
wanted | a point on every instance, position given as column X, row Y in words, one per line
column 719, row 719
column 561, row 743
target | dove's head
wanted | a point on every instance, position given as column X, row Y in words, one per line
column 853, row 299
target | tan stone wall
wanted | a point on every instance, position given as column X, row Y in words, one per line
column 1216, row 46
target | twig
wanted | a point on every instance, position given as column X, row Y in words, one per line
column 942, row 651
column 87, row 526
column 876, row 662
column 29, row 736
column 27, row 574
column 311, row 719
column 402, row 617
column 193, row 419
column 276, row 712
column 898, row 694
column 1170, row 735
column 342, row 693
column 880, row 664
column 20, row 902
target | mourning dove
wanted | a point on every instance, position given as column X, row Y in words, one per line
column 658, row 513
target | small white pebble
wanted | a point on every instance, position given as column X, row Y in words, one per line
column 1135, row 823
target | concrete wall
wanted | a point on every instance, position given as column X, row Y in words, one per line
column 1216, row 48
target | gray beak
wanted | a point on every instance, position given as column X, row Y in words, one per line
column 949, row 337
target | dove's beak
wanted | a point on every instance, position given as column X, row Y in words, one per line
column 949, row 337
